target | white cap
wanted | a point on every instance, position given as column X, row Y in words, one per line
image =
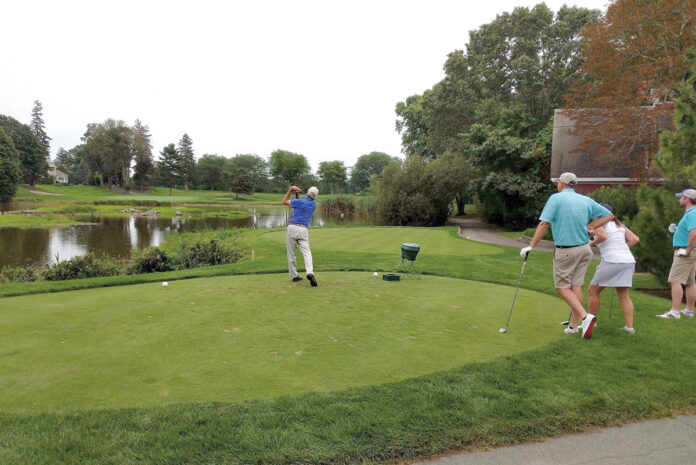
column 312, row 192
column 568, row 178
column 688, row 193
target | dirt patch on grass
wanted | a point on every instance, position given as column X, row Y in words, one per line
column 45, row 193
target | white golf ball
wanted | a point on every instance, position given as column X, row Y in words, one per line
column 165, row 284
column 375, row 274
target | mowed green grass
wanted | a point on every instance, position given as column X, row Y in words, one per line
column 229, row 339
column 56, row 194
column 388, row 240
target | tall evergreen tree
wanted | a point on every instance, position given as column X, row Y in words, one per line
column 10, row 174
column 677, row 157
column 31, row 157
column 142, row 154
column 170, row 168
column 38, row 128
column 188, row 161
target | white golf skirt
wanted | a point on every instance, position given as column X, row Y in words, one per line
column 614, row 275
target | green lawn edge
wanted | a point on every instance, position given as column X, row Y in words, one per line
column 568, row 386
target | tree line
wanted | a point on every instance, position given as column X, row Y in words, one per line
column 115, row 154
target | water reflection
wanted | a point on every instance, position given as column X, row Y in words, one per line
column 118, row 237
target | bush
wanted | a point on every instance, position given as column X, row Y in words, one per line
column 150, row 260
column 85, row 266
column 19, row 274
column 208, row 253
column 405, row 195
column 624, row 201
column 658, row 208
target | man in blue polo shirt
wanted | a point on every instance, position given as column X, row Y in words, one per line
column 570, row 215
column 297, row 234
column 684, row 261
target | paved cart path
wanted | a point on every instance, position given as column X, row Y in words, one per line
column 670, row 441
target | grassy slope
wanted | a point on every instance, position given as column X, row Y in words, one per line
column 561, row 387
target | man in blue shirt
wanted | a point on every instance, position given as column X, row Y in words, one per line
column 684, row 261
column 297, row 234
column 569, row 215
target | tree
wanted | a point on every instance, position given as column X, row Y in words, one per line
column 366, row 167
column 141, row 149
column 109, row 147
column 333, row 175
column 38, row 128
column 526, row 58
column 288, row 168
column 188, row 161
column 496, row 104
column 31, row 156
column 405, row 195
column 245, row 173
column 677, row 157
column 210, row 172
column 170, row 168
column 452, row 173
column 10, row 174
column 635, row 57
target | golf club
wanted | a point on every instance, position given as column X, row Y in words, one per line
column 611, row 304
column 504, row 330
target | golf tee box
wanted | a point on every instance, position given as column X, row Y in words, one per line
column 391, row 277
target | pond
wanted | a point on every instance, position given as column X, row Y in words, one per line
column 119, row 236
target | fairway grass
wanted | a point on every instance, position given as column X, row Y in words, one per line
column 388, row 240
column 230, row 339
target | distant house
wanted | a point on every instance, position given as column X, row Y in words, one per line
column 58, row 176
column 592, row 174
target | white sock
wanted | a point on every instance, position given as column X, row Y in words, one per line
column 675, row 312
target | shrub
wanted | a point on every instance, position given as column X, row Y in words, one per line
column 658, row 208
column 150, row 260
column 19, row 274
column 85, row 266
column 208, row 253
column 405, row 195
column 624, row 201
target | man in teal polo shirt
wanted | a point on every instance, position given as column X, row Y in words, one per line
column 684, row 261
column 570, row 215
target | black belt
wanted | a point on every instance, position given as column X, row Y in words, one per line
column 679, row 247
column 569, row 246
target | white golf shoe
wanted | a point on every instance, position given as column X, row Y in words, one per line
column 587, row 325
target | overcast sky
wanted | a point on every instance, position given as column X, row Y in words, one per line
column 320, row 78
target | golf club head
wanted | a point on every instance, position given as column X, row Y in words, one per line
column 502, row 330
column 565, row 323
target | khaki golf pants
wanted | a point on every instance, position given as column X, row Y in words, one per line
column 297, row 236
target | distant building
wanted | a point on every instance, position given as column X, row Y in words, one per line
column 58, row 176
column 592, row 174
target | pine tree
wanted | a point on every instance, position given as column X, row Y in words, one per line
column 677, row 158
column 185, row 150
column 38, row 128
column 169, row 168
column 142, row 153
column 10, row 174
column 32, row 160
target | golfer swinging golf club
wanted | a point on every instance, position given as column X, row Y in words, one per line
column 297, row 234
column 570, row 215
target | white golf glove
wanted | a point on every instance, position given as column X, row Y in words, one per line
column 681, row 252
column 525, row 251
column 671, row 228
